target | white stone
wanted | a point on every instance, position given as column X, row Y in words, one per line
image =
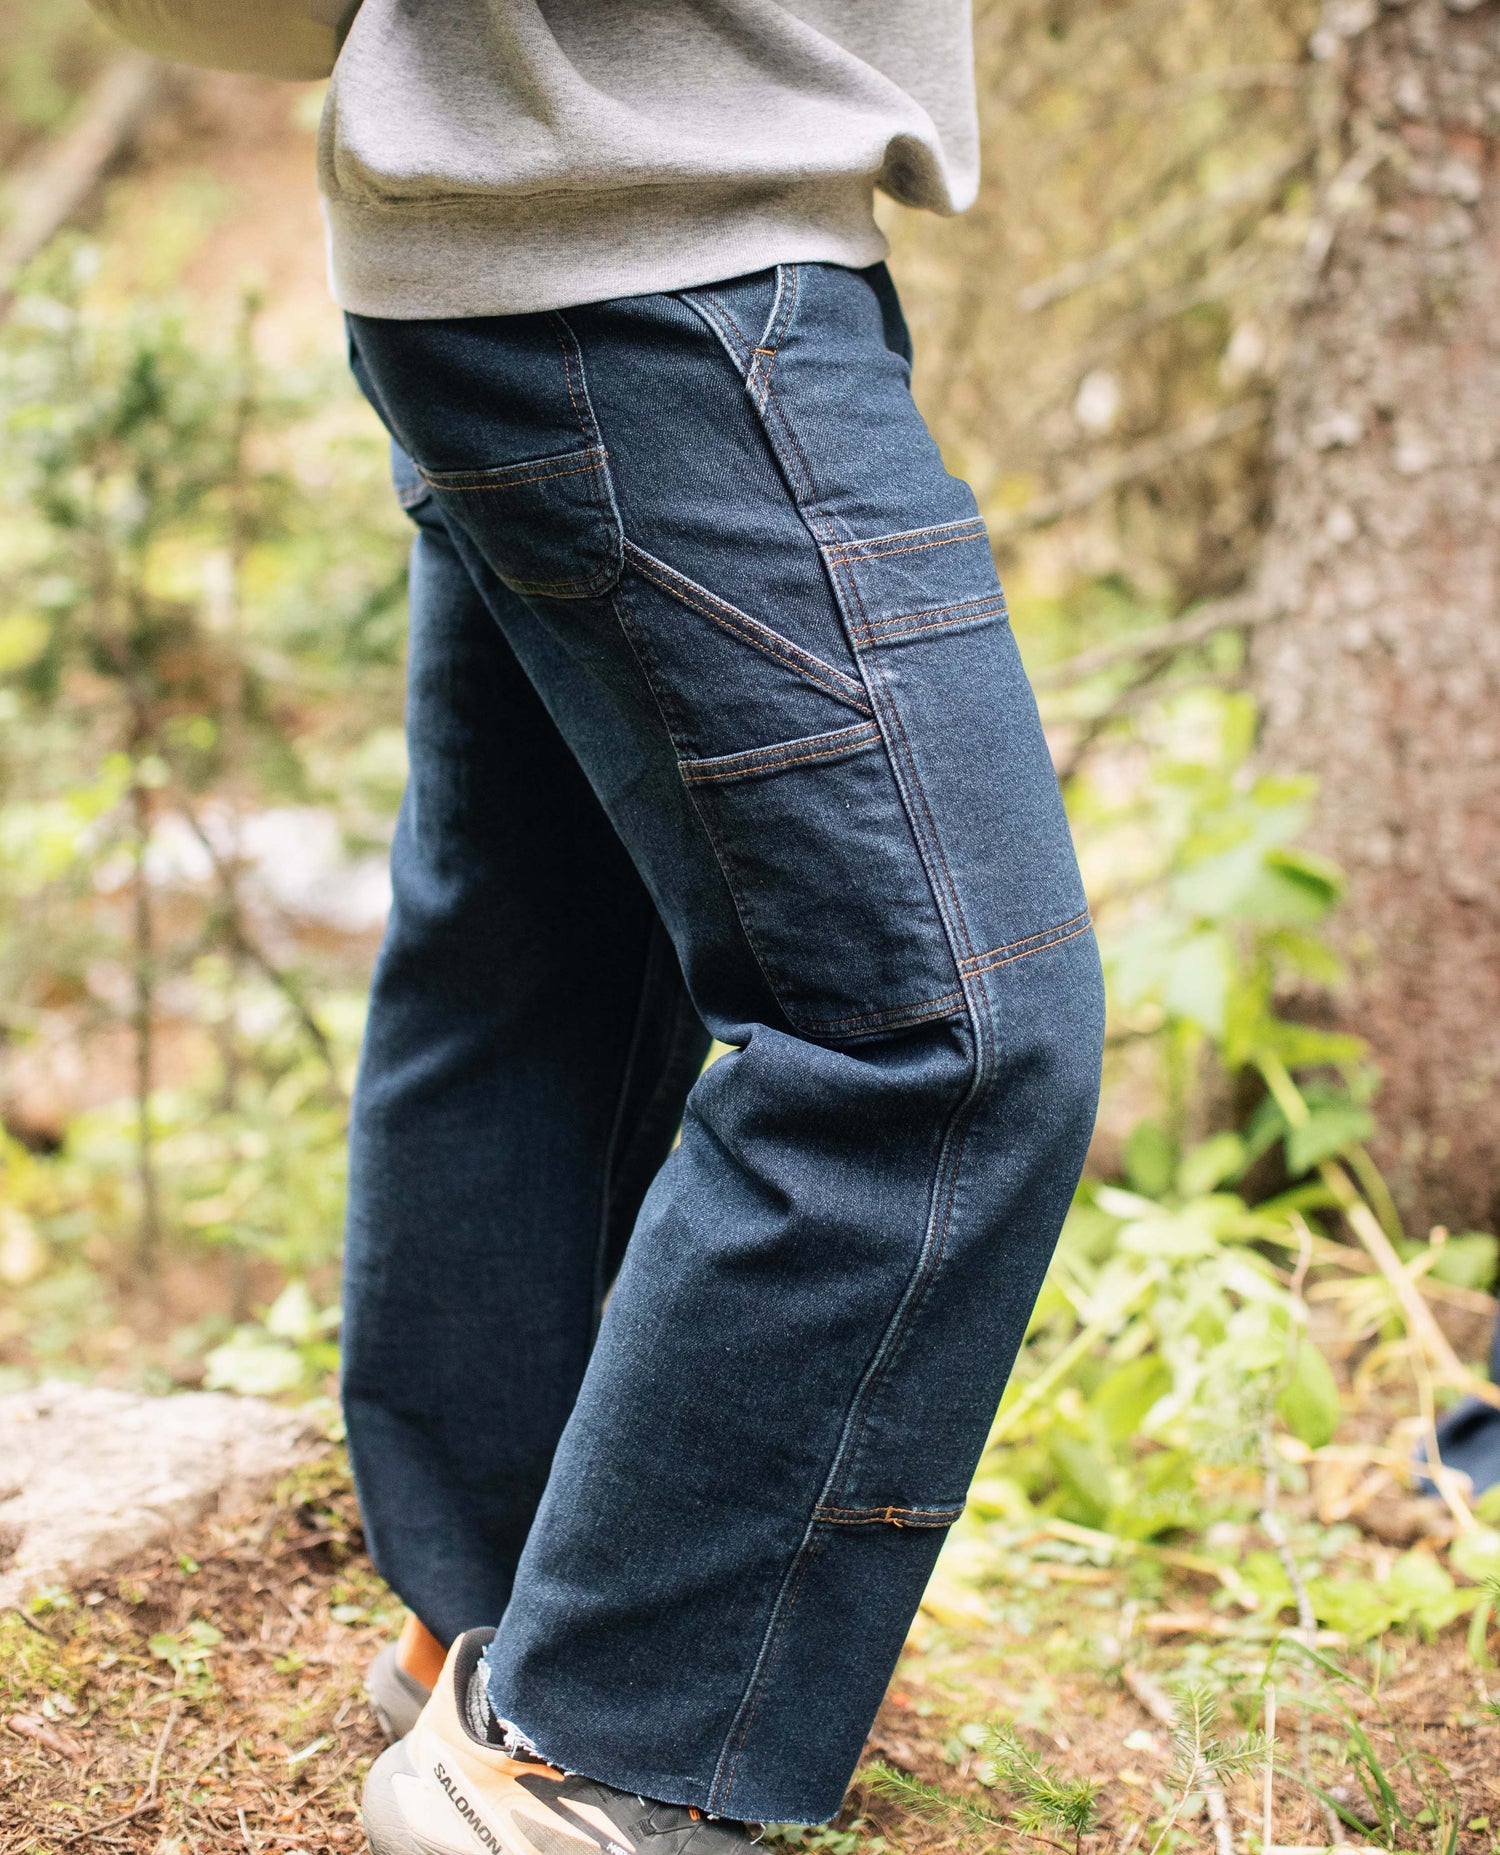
column 89, row 1476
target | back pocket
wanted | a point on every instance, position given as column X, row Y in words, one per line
column 494, row 414
column 547, row 527
column 829, row 883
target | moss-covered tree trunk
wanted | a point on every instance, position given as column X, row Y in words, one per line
column 1383, row 675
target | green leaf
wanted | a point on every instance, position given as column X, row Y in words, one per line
column 1308, row 885
column 1127, row 1206
column 1266, row 1577
column 1302, row 1046
column 1468, row 1261
column 1085, row 1476
column 1424, row 1593
column 1355, row 1607
column 23, row 638
column 1125, row 1396
column 253, row 1364
column 1332, row 1127
column 292, row 1315
column 1309, row 1405
column 1307, row 955
column 1148, row 1160
column 1477, row 1553
column 1210, row 1163
column 1198, row 981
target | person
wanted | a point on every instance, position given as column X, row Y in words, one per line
column 717, row 729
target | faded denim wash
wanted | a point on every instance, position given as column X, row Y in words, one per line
column 716, row 720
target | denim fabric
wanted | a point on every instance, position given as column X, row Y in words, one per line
column 731, row 581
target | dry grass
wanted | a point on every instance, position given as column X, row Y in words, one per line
column 258, row 1740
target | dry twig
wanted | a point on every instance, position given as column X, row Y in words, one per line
column 47, row 192
column 1140, row 461
column 149, row 1802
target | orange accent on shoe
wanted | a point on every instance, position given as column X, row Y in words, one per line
column 455, row 1773
column 419, row 1653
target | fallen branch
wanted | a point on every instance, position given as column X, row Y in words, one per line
column 1148, row 689
column 47, row 192
column 246, row 944
column 147, row 1804
column 1240, row 611
column 218, row 1752
column 30, row 1621
column 1245, row 190
column 1097, row 726
column 33, row 1726
column 1142, row 460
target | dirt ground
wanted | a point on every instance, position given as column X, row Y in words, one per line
column 209, row 1697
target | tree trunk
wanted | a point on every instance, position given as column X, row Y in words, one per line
column 1383, row 677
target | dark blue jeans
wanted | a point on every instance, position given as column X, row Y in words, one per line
column 716, row 720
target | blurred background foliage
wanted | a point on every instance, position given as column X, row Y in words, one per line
column 201, row 633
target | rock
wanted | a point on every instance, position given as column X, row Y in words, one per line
column 89, row 1477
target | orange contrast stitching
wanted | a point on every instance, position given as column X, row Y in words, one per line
column 918, row 792
column 460, row 489
column 851, row 740
column 969, row 529
column 906, row 534
column 892, row 1516
column 1026, row 955
column 853, row 560
column 885, row 630
column 722, row 309
column 752, row 632
column 980, row 602
column 562, row 342
column 1026, row 939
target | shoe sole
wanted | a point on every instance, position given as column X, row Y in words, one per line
column 388, row 1831
column 396, row 1698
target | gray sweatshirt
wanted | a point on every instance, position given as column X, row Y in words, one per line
column 483, row 157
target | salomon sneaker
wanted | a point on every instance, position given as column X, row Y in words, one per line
column 451, row 1788
column 401, row 1678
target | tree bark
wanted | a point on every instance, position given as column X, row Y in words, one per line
column 1383, row 676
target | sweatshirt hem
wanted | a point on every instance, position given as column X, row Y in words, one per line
column 555, row 251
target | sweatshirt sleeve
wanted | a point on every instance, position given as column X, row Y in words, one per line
column 269, row 38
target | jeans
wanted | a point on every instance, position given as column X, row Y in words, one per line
column 716, row 721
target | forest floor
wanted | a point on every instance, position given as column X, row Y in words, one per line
column 208, row 1696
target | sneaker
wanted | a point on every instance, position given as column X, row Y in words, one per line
column 401, row 1678
column 451, row 1788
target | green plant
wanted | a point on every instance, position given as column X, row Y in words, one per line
column 1201, row 1758
column 930, row 1800
column 1051, row 1804
column 1358, row 1706
column 193, row 629
column 188, row 1652
column 291, row 1349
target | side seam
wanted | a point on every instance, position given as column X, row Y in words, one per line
column 798, row 475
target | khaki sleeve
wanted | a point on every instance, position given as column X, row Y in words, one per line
column 268, row 38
